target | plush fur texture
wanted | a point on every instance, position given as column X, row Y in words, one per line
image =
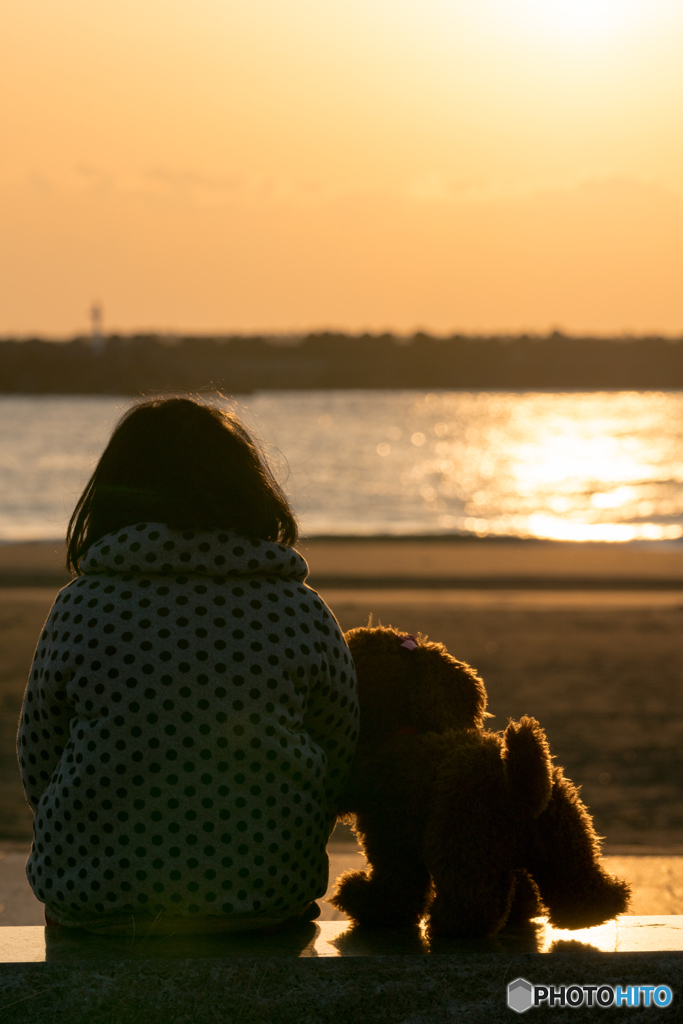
column 473, row 829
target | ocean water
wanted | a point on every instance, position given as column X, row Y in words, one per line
column 594, row 466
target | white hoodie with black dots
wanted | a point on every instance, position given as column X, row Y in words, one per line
column 190, row 715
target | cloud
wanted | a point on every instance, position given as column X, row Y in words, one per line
column 197, row 189
column 162, row 186
column 435, row 187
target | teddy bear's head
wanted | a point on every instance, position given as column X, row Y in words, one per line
column 410, row 684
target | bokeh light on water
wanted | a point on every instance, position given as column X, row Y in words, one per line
column 594, row 466
column 586, row 467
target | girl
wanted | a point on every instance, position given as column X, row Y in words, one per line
column 191, row 712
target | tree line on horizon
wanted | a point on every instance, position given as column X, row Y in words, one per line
column 141, row 364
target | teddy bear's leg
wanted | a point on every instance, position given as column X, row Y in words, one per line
column 564, row 860
column 383, row 899
column 474, row 905
column 472, row 843
column 471, row 858
column 526, row 901
column 394, row 894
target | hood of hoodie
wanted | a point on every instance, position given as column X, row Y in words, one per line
column 155, row 548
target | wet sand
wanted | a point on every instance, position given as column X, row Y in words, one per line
column 428, row 562
column 436, row 562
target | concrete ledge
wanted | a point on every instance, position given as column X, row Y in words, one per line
column 322, row 973
column 332, row 939
column 382, row 990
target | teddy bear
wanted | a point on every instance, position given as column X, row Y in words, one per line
column 469, row 828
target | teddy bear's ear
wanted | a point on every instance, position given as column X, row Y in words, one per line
column 445, row 693
column 383, row 682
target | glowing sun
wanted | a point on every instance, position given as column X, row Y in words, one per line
column 584, row 19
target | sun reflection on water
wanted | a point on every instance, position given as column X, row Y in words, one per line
column 584, row 467
column 576, row 467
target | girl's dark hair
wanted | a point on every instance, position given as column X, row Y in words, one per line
column 186, row 464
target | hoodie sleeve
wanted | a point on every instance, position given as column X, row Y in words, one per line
column 44, row 723
column 332, row 714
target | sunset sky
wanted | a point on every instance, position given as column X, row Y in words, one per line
column 283, row 165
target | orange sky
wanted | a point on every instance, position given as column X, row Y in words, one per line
column 291, row 164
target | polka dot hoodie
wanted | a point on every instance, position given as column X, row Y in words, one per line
column 190, row 715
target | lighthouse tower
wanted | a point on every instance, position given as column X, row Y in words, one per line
column 96, row 338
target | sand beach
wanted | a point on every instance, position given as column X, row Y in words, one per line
column 587, row 638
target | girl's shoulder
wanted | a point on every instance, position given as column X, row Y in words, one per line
column 156, row 548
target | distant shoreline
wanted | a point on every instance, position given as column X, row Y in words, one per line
column 122, row 365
